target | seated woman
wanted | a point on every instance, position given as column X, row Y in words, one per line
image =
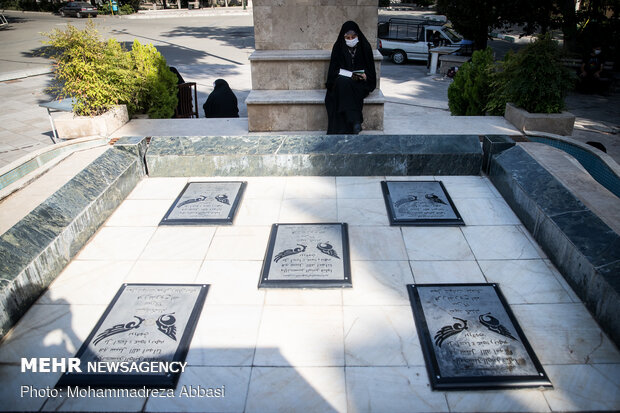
column 222, row 102
column 346, row 90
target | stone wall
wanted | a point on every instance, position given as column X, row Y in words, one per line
column 310, row 24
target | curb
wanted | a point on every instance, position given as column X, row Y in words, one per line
column 20, row 74
column 163, row 14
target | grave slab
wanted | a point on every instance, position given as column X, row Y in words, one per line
column 307, row 255
column 471, row 340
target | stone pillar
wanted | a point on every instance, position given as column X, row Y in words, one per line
column 293, row 41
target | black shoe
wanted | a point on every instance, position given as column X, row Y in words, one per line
column 357, row 128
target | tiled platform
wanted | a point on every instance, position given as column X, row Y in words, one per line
column 352, row 350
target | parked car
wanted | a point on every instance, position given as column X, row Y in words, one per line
column 78, row 9
column 409, row 39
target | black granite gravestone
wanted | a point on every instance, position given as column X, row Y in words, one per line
column 471, row 340
column 419, row 203
column 143, row 334
column 307, row 255
column 206, row 203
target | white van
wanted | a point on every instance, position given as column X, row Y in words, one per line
column 409, row 39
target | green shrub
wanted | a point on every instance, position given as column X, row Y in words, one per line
column 126, row 9
column 469, row 92
column 100, row 74
column 156, row 85
column 533, row 79
column 384, row 3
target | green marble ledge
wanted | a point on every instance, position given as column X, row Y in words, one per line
column 35, row 250
column 341, row 155
column 580, row 244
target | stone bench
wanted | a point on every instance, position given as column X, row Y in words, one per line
column 294, row 69
column 450, row 60
column 303, row 110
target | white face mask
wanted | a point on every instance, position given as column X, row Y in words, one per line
column 597, row 51
column 351, row 43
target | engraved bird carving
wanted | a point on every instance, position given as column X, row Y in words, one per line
column 290, row 251
column 449, row 331
column 434, row 198
column 191, row 201
column 327, row 248
column 223, row 199
column 117, row 329
column 165, row 324
column 494, row 325
column 410, row 198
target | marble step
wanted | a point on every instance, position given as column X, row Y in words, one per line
column 294, row 69
column 302, row 110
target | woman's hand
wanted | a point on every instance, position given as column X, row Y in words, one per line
column 360, row 76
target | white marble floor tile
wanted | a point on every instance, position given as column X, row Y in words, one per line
column 486, row 211
column 525, row 281
column 49, row 331
column 231, row 381
column 302, row 210
column 11, row 382
column 558, row 275
column 178, row 242
column 315, row 187
column 239, row 243
column 524, row 400
column 300, row 336
column 301, row 389
column 565, row 334
column 139, row 213
column 578, row 387
column 499, row 243
column 164, row 272
column 225, row 336
column 87, row 403
column 117, row 244
column 258, row 212
column 158, row 188
column 529, row 236
column 87, row 282
column 466, row 187
column 492, row 188
column 378, row 283
column 362, row 211
column 436, row 243
column 410, row 178
column 358, row 187
column 265, row 187
column 376, row 244
column 232, row 282
column 306, row 296
column 381, row 336
column 392, row 389
column 446, row 272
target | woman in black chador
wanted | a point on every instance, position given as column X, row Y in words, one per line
column 345, row 91
column 222, row 102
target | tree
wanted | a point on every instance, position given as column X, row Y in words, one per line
column 475, row 18
column 471, row 18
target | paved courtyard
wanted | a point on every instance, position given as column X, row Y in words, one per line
column 315, row 350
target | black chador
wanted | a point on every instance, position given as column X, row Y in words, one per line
column 222, row 102
column 345, row 95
